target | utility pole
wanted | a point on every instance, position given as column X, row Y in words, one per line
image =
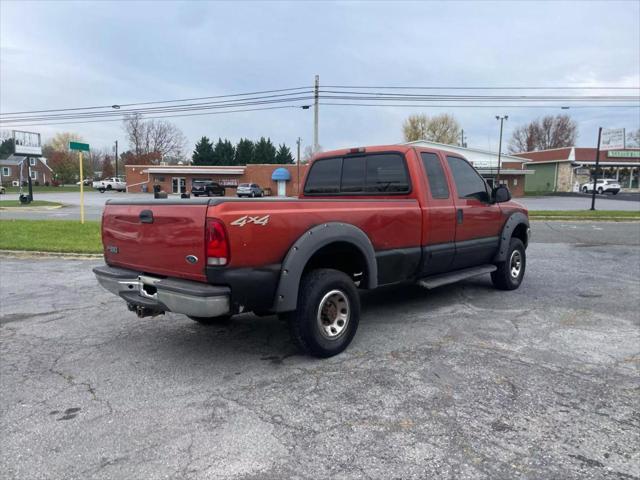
column 116, row 158
column 595, row 173
column 298, row 143
column 502, row 118
column 316, row 97
column 462, row 142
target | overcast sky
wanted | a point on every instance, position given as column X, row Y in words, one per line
column 68, row 54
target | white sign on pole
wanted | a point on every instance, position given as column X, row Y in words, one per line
column 612, row 138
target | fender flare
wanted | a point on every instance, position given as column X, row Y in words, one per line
column 286, row 298
column 510, row 225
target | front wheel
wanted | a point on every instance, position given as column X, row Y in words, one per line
column 600, row 191
column 585, row 190
column 328, row 313
column 101, row 190
column 221, row 320
column 510, row 273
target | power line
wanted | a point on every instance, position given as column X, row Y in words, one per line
column 164, row 116
column 155, row 110
column 422, row 105
column 482, row 88
column 158, row 101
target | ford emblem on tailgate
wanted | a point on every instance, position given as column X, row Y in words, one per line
column 192, row 259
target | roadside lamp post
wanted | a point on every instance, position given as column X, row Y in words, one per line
column 502, row 118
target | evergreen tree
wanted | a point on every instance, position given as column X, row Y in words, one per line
column 284, row 155
column 224, row 153
column 6, row 147
column 264, row 151
column 244, row 152
column 203, row 153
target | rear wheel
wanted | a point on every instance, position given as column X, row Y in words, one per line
column 600, row 191
column 510, row 273
column 221, row 320
column 109, row 187
column 328, row 313
column 253, row 194
column 585, row 190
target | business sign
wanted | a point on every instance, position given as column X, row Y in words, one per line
column 612, row 138
column 623, row 154
column 26, row 143
column 583, row 171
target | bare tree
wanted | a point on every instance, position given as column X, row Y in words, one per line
column 154, row 137
column 442, row 128
column 544, row 133
column 309, row 152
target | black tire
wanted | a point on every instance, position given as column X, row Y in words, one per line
column 221, row 320
column 253, row 194
column 585, row 190
column 330, row 288
column 615, row 193
column 109, row 187
column 503, row 278
column 101, row 190
column 600, row 191
column 195, row 194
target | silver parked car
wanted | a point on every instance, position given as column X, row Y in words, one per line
column 249, row 190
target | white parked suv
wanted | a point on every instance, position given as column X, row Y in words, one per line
column 111, row 183
column 602, row 186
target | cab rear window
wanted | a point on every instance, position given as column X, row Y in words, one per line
column 378, row 173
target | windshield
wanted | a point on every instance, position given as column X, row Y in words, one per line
column 244, row 185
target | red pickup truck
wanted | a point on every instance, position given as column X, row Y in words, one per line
column 367, row 217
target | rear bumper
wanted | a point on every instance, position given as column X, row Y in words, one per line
column 165, row 294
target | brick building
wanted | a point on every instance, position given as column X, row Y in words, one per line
column 14, row 167
column 274, row 179
column 564, row 169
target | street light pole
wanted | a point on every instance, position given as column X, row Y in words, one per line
column 298, row 143
column 502, row 118
column 116, row 158
column 316, row 97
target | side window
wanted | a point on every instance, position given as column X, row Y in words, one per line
column 386, row 173
column 469, row 183
column 435, row 175
column 324, row 176
column 353, row 174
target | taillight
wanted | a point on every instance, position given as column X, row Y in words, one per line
column 217, row 243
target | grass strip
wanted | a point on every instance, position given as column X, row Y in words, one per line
column 598, row 215
column 36, row 203
column 50, row 236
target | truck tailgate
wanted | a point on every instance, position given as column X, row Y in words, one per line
column 162, row 238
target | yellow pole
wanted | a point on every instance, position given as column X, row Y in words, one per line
column 81, row 190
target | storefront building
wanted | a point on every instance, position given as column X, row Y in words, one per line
column 566, row 169
column 279, row 180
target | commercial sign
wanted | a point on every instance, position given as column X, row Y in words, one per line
column 26, row 143
column 623, row 154
column 612, row 138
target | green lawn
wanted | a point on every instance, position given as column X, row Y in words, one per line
column 585, row 214
column 50, row 236
column 42, row 188
column 36, row 203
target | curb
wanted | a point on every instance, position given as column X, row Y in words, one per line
column 586, row 219
column 33, row 209
column 33, row 253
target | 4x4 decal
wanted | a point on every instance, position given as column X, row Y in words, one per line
column 242, row 221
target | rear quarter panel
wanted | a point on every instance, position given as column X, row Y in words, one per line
column 388, row 223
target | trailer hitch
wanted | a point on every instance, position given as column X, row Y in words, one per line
column 142, row 312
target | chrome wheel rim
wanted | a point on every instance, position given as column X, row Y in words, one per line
column 333, row 314
column 515, row 263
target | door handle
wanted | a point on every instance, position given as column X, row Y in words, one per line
column 146, row 216
column 459, row 216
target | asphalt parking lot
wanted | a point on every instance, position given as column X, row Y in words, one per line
column 460, row 382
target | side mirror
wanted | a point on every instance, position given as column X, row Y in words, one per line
column 501, row 194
